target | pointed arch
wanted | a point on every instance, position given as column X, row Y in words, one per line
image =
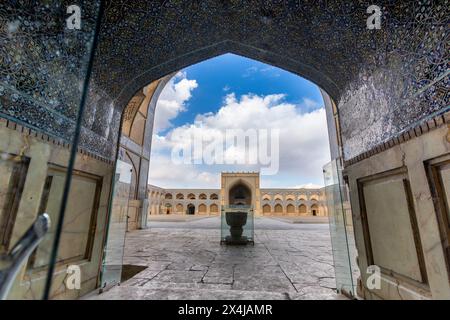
column 214, row 208
column 302, row 209
column 290, row 209
column 278, row 209
column 267, row 209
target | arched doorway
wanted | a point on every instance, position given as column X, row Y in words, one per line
column 202, row 209
column 241, row 191
column 267, row 209
column 302, row 209
column 214, row 209
column 290, row 209
column 314, row 210
column 240, row 195
column 278, row 209
column 190, row 209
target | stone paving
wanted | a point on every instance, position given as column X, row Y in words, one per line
column 184, row 260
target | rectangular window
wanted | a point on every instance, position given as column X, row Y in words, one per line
column 79, row 219
column 13, row 171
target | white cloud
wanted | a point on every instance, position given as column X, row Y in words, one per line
column 303, row 145
column 269, row 71
column 307, row 104
column 173, row 100
column 164, row 173
column 249, row 71
column 308, row 186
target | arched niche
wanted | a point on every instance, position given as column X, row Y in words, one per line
column 240, row 194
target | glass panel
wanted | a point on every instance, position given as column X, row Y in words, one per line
column 341, row 229
column 45, row 59
column 113, row 254
column 237, row 225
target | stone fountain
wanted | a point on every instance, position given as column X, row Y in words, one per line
column 236, row 220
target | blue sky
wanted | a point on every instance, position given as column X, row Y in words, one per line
column 231, row 73
column 231, row 91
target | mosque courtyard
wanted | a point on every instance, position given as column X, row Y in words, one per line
column 183, row 259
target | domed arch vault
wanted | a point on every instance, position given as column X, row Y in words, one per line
column 315, row 40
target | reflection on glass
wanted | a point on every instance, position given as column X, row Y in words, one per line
column 113, row 254
column 341, row 229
